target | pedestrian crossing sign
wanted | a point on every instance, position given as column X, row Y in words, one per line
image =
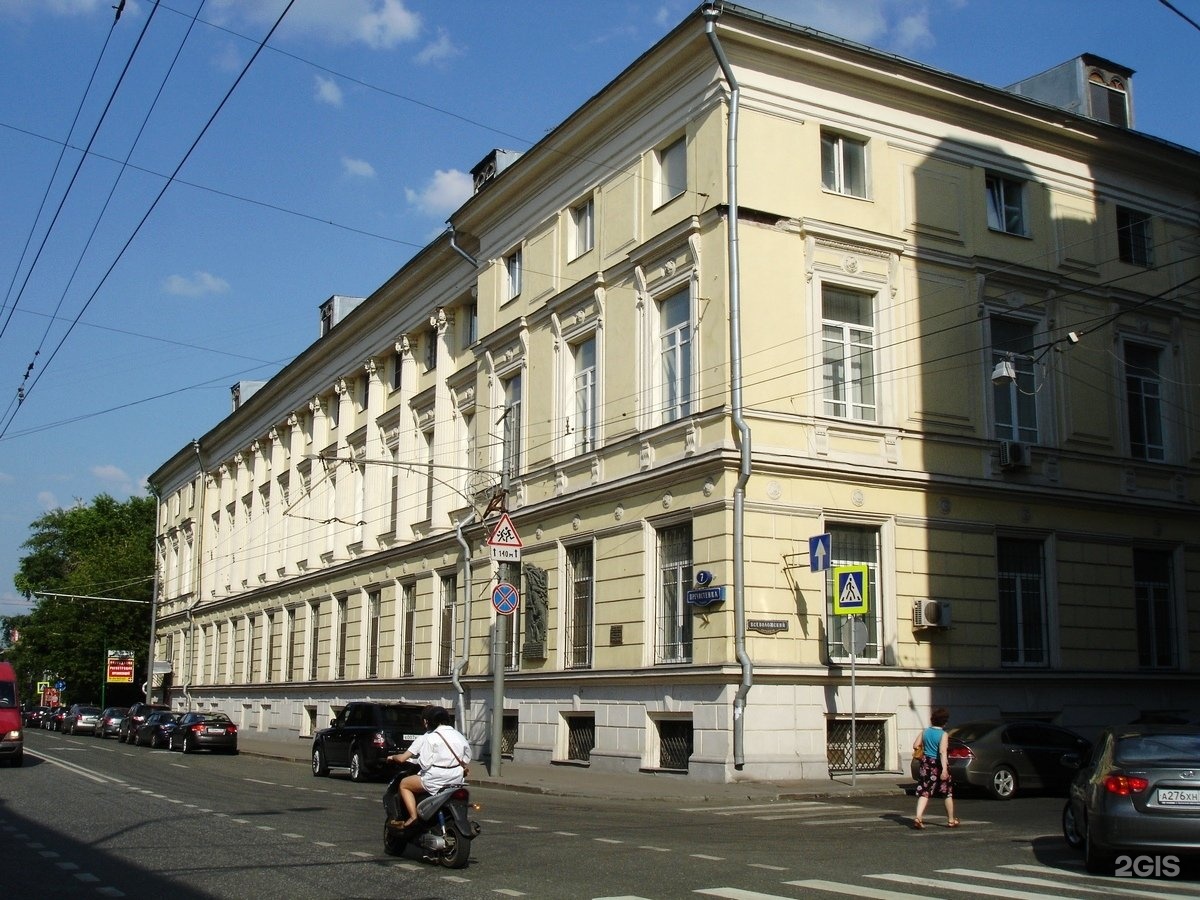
column 850, row 590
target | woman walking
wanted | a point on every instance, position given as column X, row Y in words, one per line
column 933, row 779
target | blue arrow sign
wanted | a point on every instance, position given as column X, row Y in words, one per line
column 60, row 685
column 819, row 552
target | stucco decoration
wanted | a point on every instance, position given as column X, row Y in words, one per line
column 536, row 613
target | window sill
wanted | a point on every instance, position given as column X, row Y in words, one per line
column 1016, row 234
column 832, row 193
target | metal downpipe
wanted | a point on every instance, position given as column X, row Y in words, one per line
column 711, row 13
column 460, row 664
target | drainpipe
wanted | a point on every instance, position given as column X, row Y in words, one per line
column 459, row 250
column 712, row 12
column 153, row 597
column 460, row 664
column 197, row 571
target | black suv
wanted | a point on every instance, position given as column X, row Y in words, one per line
column 134, row 718
column 363, row 735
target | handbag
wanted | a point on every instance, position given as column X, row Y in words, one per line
column 918, row 753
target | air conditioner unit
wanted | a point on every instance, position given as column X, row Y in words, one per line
column 1014, row 455
column 931, row 614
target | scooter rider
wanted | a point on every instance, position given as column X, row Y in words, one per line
column 442, row 754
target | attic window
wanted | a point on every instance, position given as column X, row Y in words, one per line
column 1109, row 99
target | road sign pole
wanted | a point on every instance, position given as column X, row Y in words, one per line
column 853, row 711
column 499, row 640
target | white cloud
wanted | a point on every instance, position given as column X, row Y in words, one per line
column 445, row 192
column 327, row 91
column 379, row 24
column 113, row 476
column 358, row 168
column 47, row 501
column 898, row 25
column 199, row 284
column 440, row 50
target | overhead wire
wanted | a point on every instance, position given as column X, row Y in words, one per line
column 7, row 424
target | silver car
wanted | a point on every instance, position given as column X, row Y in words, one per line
column 81, row 719
column 1138, row 795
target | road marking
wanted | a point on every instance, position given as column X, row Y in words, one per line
column 655, row 849
column 76, row 769
column 257, row 781
column 986, row 890
column 566, row 833
column 529, row 827
column 86, row 876
column 241, row 821
column 457, row 879
column 752, row 807
column 855, row 890
column 1045, row 882
column 110, row 892
column 49, row 854
column 739, row 894
column 289, row 834
column 608, row 840
column 507, row 892
column 768, row 868
column 359, row 853
column 706, row 856
column 265, row 828
column 324, row 844
column 67, row 866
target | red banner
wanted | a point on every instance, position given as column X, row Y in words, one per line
column 120, row 669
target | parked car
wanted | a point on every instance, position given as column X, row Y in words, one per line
column 53, row 721
column 135, row 716
column 362, row 735
column 1139, row 794
column 110, row 722
column 1006, row 757
column 156, row 730
column 204, row 731
column 34, row 714
column 81, row 718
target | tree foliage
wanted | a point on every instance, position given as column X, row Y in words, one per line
column 103, row 549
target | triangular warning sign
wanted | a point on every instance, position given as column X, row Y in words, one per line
column 505, row 534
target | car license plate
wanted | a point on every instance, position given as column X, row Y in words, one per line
column 215, row 730
column 1179, row 796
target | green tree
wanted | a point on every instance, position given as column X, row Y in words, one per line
column 103, row 549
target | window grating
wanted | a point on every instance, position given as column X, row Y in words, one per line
column 868, row 745
column 675, row 743
column 581, row 737
column 508, row 736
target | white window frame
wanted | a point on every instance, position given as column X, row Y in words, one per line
column 581, row 230
column 1022, row 607
column 675, row 355
column 1147, row 393
column 670, row 171
column 1004, row 197
column 838, row 163
column 406, row 623
column 877, row 588
column 513, row 274
column 1135, row 237
column 584, row 414
column 579, row 612
column 674, row 634
column 846, row 397
column 512, row 428
column 1028, row 392
column 1155, row 611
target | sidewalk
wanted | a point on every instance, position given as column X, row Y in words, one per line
column 580, row 781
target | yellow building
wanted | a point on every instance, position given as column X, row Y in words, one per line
column 766, row 285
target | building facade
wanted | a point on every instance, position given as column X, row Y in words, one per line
column 766, row 285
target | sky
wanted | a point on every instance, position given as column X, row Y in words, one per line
column 214, row 211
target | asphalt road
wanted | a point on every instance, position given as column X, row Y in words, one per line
column 92, row 818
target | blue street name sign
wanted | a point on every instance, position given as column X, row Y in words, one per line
column 705, row 596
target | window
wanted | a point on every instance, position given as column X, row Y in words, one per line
column 291, row 658
column 314, row 639
column 373, row 620
column 449, row 588
column 1109, row 102
column 848, row 348
column 1143, row 396
column 583, row 417
column 582, row 234
column 366, row 392
column 1014, row 402
column 1022, row 602
column 1134, row 243
column 470, row 324
column 251, row 637
column 1006, row 205
column 843, row 165
column 343, row 616
column 1154, row 608
column 579, row 607
column 854, row 545
column 673, row 641
column 671, row 171
column 511, row 462
column 675, row 355
column 430, row 479
column 397, row 370
column 431, row 349
column 510, row 573
column 406, row 616
column 512, row 271
column 268, row 648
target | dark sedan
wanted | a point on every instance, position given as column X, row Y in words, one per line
column 110, row 722
column 204, row 731
column 1138, row 794
column 1006, row 757
column 52, row 721
column 156, row 730
column 34, row 716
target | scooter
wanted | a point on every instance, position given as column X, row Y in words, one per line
column 443, row 829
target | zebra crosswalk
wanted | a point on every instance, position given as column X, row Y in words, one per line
column 806, row 812
column 1017, row 881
